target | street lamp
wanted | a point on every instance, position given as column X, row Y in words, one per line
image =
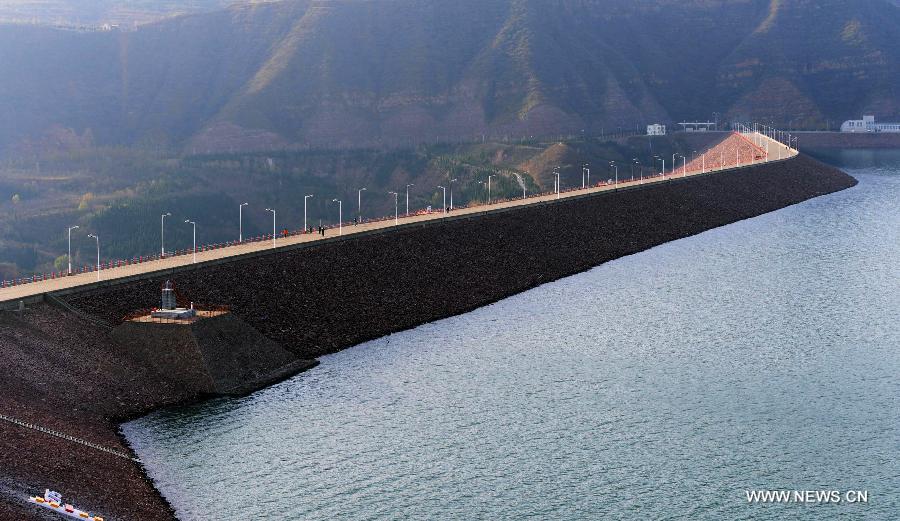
column 633, row 162
column 305, row 197
column 582, row 176
column 451, row 192
column 70, row 247
column 340, row 216
column 663, row 165
column 396, row 218
column 194, row 252
column 556, row 173
column 587, row 167
column 162, row 234
column 241, row 221
column 407, row 197
column 98, row 253
column 445, row 198
column 489, row 188
column 613, row 164
column 359, row 203
column 273, row 225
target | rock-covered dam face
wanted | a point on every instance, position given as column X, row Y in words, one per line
column 78, row 368
column 330, row 296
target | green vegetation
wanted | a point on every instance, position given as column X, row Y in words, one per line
column 121, row 194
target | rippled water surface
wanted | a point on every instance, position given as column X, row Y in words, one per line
column 760, row 355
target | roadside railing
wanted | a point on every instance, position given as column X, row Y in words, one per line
column 763, row 142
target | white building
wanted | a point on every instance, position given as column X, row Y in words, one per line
column 656, row 130
column 867, row 124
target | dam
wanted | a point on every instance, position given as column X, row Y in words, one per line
column 312, row 298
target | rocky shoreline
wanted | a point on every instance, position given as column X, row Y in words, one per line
column 322, row 299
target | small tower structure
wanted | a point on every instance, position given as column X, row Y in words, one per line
column 169, row 305
column 168, row 296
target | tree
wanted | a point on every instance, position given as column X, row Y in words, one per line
column 61, row 263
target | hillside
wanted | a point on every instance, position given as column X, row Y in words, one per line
column 393, row 72
column 121, row 193
column 95, row 12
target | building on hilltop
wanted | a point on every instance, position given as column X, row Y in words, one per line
column 698, row 126
column 867, row 124
column 656, row 130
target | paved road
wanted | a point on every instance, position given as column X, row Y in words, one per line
column 15, row 293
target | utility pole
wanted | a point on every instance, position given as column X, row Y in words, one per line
column 396, row 218
column 194, row 251
column 273, row 225
column 451, row 192
column 98, row 253
column 70, row 247
column 359, row 204
column 556, row 173
column 241, row 222
column 305, row 197
column 407, row 198
column 340, row 216
column 162, row 234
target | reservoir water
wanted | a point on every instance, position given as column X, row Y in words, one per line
column 760, row 355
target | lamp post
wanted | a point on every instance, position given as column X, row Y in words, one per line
column 194, row 252
column 663, row 166
column 70, row 247
column 340, row 216
column 613, row 164
column 684, row 166
column 273, row 225
column 582, row 176
column 445, row 199
column 489, row 188
column 587, row 167
column 359, row 203
column 241, row 221
column 98, row 253
column 162, row 234
column 556, row 173
column 451, row 192
column 673, row 162
column 305, row 197
column 396, row 218
column 407, row 197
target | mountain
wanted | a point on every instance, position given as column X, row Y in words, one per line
column 75, row 13
column 390, row 72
